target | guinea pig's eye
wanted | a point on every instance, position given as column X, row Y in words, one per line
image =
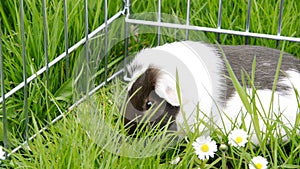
column 148, row 105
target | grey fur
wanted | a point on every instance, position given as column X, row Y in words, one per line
column 241, row 58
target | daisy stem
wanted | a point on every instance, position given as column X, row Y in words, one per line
column 223, row 148
column 201, row 163
column 223, row 160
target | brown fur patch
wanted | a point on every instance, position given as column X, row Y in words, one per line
column 142, row 88
column 140, row 95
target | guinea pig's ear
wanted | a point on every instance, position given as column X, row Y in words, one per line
column 165, row 88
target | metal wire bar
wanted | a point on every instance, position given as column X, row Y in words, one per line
column 60, row 57
column 279, row 22
column 187, row 18
column 126, row 10
column 86, row 45
column 4, row 118
column 215, row 30
column 219, row 19
column 126, row 43
column 158, row 20
column 127, row 13
column 63, row 114
column 25, row 106
column 66, row 38
column 248, row 21
column 106, row 38
column 46, row 49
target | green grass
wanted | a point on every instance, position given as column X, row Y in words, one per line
column 66, row 144
column 85, row 141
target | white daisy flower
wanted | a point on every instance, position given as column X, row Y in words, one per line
column 2, row 153
column 237, row 138
column 204, row 147
column 258, row 162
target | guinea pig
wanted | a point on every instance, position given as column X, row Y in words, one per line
column 183, row 83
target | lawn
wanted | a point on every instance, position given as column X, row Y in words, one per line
column 69, row 143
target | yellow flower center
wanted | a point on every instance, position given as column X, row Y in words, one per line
column 238, row 139
column 205, row 148
column 259, row 166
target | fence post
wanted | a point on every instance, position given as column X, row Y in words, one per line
column 25, row 106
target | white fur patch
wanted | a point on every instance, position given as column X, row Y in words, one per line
column 285, row 106
column 133, row 76
column 292, row 80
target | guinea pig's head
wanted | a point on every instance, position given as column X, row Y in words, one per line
column 153, row 99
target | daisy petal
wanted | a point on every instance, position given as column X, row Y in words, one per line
column 204, row 147
column 258, row 162
column 237, row 138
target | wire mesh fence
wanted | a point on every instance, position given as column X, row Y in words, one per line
column 124, row 14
